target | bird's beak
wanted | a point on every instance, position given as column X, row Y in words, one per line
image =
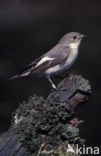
column 84, row 36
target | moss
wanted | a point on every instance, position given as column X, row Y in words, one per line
column 48, row 118
column 46, row 122
column 82, row 84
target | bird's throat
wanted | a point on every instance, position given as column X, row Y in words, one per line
column 74, row 45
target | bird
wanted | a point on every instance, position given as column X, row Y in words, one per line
column 57, row 60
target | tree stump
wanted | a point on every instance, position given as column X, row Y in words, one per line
column 45, row 127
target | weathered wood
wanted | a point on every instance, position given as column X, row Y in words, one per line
column 45, row 127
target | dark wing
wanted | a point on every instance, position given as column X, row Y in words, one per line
column 34, row 62
column 26, row 71
column 57, row 55
column 28, row 68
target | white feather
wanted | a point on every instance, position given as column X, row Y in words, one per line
column 44, row 59
column 74, row 45
column 25, row 74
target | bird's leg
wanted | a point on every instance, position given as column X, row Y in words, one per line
column 53, row 85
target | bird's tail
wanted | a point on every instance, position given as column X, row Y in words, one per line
column 11, row 78
column 21, row 74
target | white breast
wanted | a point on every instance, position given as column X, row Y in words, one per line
column 72, row 57
column 66, row 64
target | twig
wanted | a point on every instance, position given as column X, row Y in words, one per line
column 39, row 152
column 42, row 145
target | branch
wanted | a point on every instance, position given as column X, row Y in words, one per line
column 45, row 127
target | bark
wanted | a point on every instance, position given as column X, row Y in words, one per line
column 45, row 127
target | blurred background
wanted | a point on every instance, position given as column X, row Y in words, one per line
column 28, row 29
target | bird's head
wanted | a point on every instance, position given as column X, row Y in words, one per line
column 72, row 39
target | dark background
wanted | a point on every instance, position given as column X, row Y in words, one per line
column 29, row 28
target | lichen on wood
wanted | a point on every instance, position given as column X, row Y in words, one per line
column 44, row 127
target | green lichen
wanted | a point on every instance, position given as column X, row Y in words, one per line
column 46, row 122
column 48, row 118
column 82, row 84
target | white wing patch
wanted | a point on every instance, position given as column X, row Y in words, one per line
column 25, row 74
column 44, row 59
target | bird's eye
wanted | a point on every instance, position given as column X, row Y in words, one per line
column 74, row 37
